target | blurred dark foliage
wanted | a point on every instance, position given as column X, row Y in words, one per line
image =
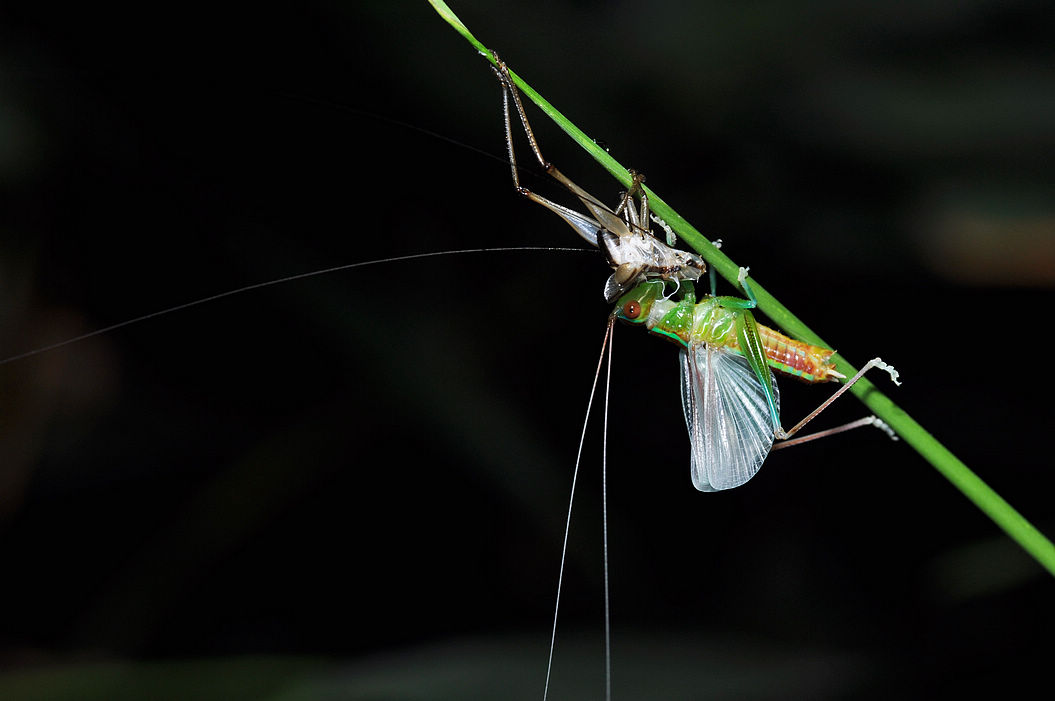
column 374, row 459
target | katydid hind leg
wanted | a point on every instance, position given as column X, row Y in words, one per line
column 873, row 421
column 874, row 363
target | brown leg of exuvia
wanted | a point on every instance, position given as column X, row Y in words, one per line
column 604, row 216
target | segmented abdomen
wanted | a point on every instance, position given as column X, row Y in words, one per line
column 807, row 362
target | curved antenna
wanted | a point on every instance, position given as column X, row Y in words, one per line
column 604, row 523
column 277, row 281
column 571, row 502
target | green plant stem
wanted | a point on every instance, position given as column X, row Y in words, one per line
column 991, row 503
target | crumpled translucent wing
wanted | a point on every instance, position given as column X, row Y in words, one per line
column 726, row 412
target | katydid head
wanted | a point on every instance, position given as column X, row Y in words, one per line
column 636, row 304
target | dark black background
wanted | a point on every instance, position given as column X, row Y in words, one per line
column 371, row 467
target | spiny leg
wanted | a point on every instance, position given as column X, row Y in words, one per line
column 746, row 337
column 642, row 196
column 636, row 221
column 510, row 89
column 645, row 212
column 860, row 423
column 509, row 133
column 605, row 217
column 867, row 421
column 638, row 218
column 586, row 227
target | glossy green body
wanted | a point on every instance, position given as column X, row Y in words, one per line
column 725, row 322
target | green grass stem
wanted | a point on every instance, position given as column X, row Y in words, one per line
column 951, row 467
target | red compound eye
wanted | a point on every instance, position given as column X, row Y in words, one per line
column 632, row 310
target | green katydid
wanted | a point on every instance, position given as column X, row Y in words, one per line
column 730, row 398
column 624, row 238
column 729, row 395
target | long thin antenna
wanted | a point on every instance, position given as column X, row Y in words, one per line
column 277, row 281
column 571, row 502
column 604, row 523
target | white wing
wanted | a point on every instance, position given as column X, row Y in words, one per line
column 727, row 415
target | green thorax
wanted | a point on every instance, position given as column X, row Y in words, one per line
column 715, row 321
column 679, row 318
